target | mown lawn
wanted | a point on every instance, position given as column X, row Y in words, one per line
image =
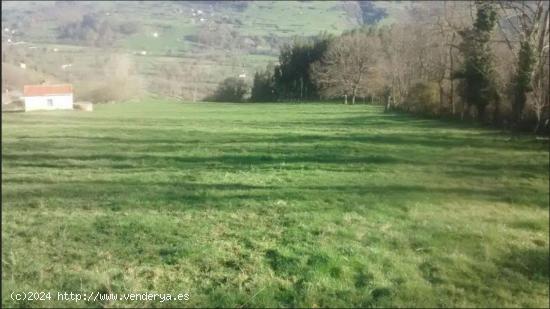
column 278, row 205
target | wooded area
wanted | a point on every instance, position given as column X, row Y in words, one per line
column 470, row 60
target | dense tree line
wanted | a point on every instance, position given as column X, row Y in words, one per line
column 477, row 60
column 292, row 79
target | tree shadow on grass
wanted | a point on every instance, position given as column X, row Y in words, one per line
column 229, row 161
column 257, row 141
column 532, row 263
column 332, row 158
column 409, row 139
column 229, row 196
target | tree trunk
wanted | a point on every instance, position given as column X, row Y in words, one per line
column 301, row 88
column 481, row 113
column 537, row 126
column 518, row 106
column 451, row 98
column 465, row 110
column 441, row 95
column 496, row 112
column 346, row 99
column 452, row 90
column 538, row 114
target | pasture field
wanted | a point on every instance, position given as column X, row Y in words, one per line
column 277, row 205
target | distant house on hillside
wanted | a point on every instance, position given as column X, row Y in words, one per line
column 47, row 97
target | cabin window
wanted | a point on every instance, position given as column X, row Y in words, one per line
column 50, row 102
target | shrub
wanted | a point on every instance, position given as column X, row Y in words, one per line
column 230, row 90
column 423, row 98
column 128, row 28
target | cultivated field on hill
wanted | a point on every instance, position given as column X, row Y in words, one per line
column 304, row 205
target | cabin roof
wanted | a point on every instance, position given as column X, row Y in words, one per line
column 43, row 90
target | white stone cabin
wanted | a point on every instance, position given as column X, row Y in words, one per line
column 47, row 97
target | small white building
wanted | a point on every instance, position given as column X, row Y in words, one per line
column 47, row 97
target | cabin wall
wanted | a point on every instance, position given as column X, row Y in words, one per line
column 44, row 103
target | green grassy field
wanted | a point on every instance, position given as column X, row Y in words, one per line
column 272, row 205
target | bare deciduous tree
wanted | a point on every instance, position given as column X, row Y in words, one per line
column 526, row 34
column 344, row 69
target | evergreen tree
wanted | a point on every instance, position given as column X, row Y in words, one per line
column 263, row 88
column 292, row 76
column 477, row 73
column 526, row 61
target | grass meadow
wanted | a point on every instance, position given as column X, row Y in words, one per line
column 278, row 205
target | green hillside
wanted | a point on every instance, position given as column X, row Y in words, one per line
column 214, row 39
column 265, row 18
